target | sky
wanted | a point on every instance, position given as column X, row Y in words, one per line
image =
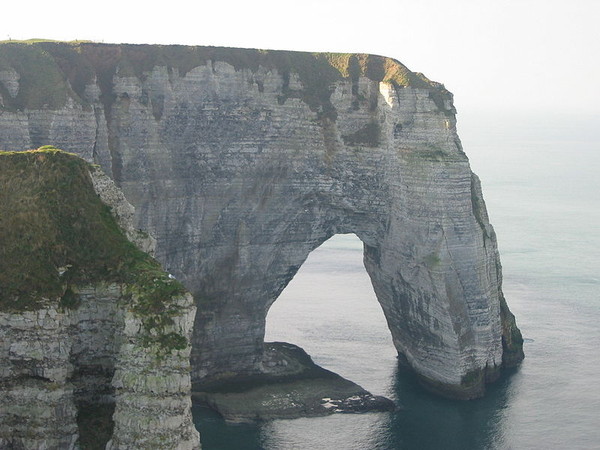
column 507, row 55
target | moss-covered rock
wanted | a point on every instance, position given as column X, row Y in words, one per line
column 56, row 234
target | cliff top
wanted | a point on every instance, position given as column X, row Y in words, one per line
column 55, row 234
column 50, row 72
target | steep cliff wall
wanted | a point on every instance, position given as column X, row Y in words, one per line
column 241, row 162
column 94, row 336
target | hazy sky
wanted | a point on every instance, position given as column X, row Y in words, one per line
column 513, row 54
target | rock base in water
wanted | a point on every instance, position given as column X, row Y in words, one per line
column 291, row 386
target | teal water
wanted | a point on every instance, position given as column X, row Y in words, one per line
column 541, row 182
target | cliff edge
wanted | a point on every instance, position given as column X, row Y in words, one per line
column 241, row 162
column 94, row 335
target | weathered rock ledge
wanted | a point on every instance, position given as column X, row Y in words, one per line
column 291, row 386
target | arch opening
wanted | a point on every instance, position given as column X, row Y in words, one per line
column 331, row 311
column 333, row 320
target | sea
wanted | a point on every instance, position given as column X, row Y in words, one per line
column 540, row 175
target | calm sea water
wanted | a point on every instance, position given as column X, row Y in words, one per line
column 541, row 182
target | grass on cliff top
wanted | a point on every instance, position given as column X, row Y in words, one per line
column 41, row 82
column 51, row 71
column 52, row 220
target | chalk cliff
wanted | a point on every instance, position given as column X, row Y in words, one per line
column 241, row 162
column 94, row 336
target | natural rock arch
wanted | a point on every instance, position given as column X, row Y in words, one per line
column 411, row 266
column 332, row 295
column 240, row 162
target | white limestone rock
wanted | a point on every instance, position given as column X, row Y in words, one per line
column 10, row 80
column 240, row 164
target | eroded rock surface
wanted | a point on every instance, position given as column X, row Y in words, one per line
column 94, row 336
column 241, row 162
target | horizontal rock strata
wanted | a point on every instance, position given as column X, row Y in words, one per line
column 89, row 356
column 241, row 162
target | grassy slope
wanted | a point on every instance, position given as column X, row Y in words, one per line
column 52, row 220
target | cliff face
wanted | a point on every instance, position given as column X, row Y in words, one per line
column 94, row 336
column 241, row 162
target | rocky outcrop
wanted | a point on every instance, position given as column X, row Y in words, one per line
column 291, row 386
column 152, row 388
column 241, row 162
column 94, row 341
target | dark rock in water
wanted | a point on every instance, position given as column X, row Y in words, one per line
column 360, row 404
column 292, row 386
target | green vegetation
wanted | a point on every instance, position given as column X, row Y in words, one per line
column 70, row 299
column 50, row 71
column 41, row 83
column 377, row 68
column 56, row 234
column 432, row 260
